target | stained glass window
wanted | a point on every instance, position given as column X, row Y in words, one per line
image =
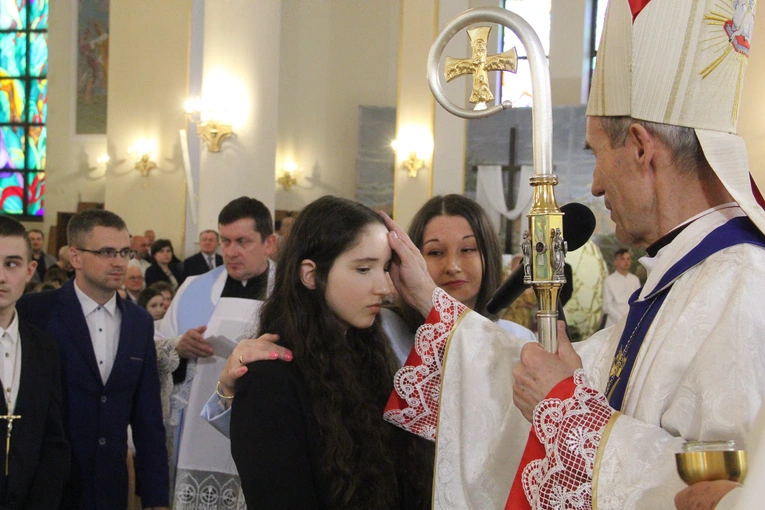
column 517, row 87
column 23, row 106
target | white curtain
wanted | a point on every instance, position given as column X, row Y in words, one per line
column 490, row 193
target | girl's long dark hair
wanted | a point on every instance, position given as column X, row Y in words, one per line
column 486, row 239
column 349, row 376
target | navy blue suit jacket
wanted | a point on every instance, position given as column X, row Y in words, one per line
column 97, row 415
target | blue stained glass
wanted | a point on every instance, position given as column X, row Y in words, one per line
column 35, row 193
column 38, row 10
column 11, row 147
column 38, row 102
column 13, row 54
column 37, row 147
column 38, row 54
column 13, row 14
column 12, row 186
column 12, row 101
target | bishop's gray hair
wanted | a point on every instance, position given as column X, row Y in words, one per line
column 683, row 143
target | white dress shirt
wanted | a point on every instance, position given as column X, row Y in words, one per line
column 618, row 289
column 10, row 365
column 104, row 326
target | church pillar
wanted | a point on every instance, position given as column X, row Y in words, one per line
column 240, row 73
column 415, row 108
column 450, row 130
column 148, row 67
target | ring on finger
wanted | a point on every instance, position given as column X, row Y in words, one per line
column 241, row 361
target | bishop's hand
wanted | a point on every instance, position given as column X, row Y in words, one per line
column 540, row 371
column 408, row 269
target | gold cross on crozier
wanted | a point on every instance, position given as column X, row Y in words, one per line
column 480, row 64
column 9, row 418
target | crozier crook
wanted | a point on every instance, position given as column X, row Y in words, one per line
column 543, row 242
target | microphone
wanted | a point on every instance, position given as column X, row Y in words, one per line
column 578, row 226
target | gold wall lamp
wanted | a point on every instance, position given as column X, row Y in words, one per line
column 142, row 151
column 413, row 148
column 209, row 126
column 289, row 176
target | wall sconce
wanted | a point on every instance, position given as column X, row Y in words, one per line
column 210, row 126
column 142, row 152
column 414, row 146
column 102, row 160
column 289, row 175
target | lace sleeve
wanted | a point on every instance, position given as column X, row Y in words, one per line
column 570, row 429
column 413, row 405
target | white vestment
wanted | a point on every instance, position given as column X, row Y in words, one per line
column 700, row 375
column 206, row 476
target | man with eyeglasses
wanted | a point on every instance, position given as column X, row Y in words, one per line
column 133, row 283
column 109, row 367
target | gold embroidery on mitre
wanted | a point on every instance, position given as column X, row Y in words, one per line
column 731, row 23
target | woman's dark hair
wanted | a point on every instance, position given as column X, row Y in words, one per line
column 349, row 376
column 485, row 236
column 159, row 244
column 162, row 287
column 146, row 294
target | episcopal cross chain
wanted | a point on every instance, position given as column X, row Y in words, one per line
column 480, row 64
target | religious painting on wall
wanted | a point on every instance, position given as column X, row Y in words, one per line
column 23, row 106
column 92, row 66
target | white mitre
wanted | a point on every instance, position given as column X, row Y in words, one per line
column 681, row 62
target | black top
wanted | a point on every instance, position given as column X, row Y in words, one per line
column 154, row 273
column 275, row 439
column 276, row 442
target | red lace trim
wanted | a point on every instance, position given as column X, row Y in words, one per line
column 413, row 405
column 570, row 431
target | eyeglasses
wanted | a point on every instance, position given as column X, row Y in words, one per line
column 110, row 253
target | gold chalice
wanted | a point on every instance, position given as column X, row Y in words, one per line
column 711, row 460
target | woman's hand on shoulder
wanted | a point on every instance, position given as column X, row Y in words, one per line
column 247, row 351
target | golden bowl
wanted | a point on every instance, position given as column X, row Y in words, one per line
column 701, row 466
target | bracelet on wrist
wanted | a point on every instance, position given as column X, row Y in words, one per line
column 220, row 393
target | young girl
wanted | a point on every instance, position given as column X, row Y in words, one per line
column 310, row 434
column 151, row 299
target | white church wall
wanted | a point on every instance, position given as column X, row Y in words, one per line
column 335, row 56
column 147, row 87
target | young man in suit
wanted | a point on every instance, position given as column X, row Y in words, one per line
column 34, row 470
column 206, row 259
column 109, row 366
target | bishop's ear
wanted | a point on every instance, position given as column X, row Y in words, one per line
column 308, row 273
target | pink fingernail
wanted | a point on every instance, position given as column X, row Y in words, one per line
column 288, row 356
column 274, row 355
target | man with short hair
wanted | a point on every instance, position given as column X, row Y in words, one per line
column 150, row 238
column 43, row 260
column 232, row 293
column 140, row 246
column 133, row 283
column 34, row 472
column 63, row 260
column 109, row 366
column 618, row 288
column 207, row 259
column 609, row 414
